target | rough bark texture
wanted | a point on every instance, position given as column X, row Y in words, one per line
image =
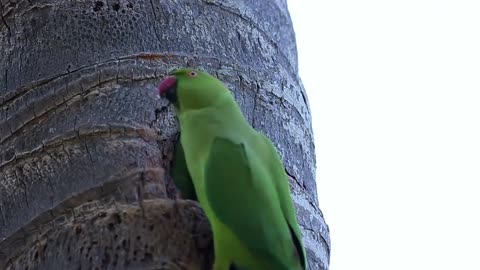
column 86, row 144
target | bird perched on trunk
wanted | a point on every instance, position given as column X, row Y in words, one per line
column 236, row 175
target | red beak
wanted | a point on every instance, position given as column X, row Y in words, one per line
column 166, row 84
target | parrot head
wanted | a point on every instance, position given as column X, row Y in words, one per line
column 190, row 89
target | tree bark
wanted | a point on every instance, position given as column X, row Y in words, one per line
column 86, row 144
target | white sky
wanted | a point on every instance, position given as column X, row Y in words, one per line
column 394, row 88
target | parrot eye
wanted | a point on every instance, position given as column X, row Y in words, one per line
column 192, row 74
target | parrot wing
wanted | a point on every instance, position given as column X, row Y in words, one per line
column 286, row 202
column 181, row 175
column 246, row 201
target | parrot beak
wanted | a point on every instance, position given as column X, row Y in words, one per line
column 168, row 88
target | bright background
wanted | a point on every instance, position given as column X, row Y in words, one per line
column 394, row 89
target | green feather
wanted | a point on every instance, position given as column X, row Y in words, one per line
column 181, row 176
column 240, row 195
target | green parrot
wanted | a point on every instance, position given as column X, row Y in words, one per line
column 236, row 174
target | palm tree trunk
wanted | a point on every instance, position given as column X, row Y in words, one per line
column 86, row 144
